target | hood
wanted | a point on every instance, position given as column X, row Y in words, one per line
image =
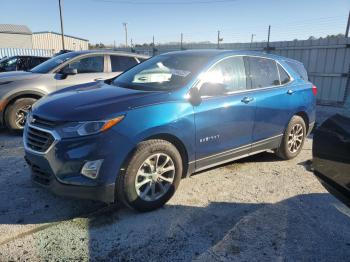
column 17, row 75
column 93, row 101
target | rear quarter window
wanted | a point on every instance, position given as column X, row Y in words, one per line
column 299, row 69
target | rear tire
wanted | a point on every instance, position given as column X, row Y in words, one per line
column 151, row 177
column 293, row 139
column 16, row 113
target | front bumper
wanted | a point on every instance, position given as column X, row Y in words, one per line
column 104, row 193
column 58, row 169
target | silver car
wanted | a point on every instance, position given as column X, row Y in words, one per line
column 19, row 90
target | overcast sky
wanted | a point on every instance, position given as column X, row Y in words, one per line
column 198, row 20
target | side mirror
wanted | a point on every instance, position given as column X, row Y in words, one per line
column 69, row 71
column 212, row 89
column 194, row 96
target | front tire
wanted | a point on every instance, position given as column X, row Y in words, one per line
column 16, row 113
column 151, row 177
column 293, row 139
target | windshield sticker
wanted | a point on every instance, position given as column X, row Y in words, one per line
column 181, row 73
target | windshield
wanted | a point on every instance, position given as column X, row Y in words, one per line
column 8, row 64
column 163, row 72
column 50, row 64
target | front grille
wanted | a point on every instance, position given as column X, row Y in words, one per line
column 41, row 122
column 38, row 140
column 40, row 176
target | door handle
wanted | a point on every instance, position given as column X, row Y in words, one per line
column 247, row 99
column 99, row 79
column 290, row 92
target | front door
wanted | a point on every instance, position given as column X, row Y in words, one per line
column 224, row 122
column 89, row 69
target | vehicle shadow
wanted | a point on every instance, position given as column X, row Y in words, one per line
column 23, row 202
column 5, row 132
column 301, row 228
column 227, row 231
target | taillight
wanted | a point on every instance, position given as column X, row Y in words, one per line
column 314, row 90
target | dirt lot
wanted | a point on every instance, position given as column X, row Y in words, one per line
column 255, row 209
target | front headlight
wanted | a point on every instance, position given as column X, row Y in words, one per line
column 87, row 128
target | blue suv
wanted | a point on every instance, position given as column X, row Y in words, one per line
column 133, row 138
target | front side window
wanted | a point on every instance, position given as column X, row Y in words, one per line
column 93, row 64
column 9, row 64
column 23, row 63
column 163, row 72
column 263, row 72
column 229, row 74
column 122, row 63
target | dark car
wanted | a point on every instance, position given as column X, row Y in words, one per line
column 20, row 63
column 331, row 155
column 133, row 139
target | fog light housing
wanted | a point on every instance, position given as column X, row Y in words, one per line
column 91, row 168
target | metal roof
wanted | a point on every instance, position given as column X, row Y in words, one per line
column 50, row 32
column 15, row 29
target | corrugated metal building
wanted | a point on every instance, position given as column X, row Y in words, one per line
column 53, row 41
column 15, row 36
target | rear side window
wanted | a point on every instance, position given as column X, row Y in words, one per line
column 299, row 69
column 284, row 77
column 263, row 72
column 122, row 63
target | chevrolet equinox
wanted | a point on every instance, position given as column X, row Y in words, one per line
column 133, row 138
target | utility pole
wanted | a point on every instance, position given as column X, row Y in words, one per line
column 126, row 33
column 132, row 46
column 347, row 27
column 61, row 19
column 218, row 39
column 268, row 38
column 153, row 46
column 251, row 40
column 181, row 42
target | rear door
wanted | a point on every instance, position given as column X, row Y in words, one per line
column 270, row 85
column 90, row 69
column 224, row 123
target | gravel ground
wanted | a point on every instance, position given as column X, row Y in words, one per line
column 255, row 209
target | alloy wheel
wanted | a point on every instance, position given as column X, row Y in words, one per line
column 295, row 138
column 21, row 116
column 155, row 177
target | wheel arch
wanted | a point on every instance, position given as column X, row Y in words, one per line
column 180, row 146
column 12, row 98
column 305, row 117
